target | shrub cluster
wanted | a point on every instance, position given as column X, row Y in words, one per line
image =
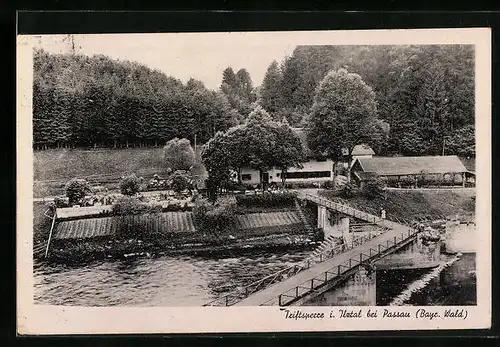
column 374, row 188
column 296, row 185
column 76, row 190
column 266, row 200
column 218, row 216
column 347, row 190
column 130, row 206
column 130, row 185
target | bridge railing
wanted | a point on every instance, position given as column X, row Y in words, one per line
column 312, row 284
column 343, row 206
column 232, row 298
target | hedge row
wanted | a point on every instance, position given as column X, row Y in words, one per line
column 266, row 200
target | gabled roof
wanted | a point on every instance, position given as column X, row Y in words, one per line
column 412, row 165
column 359, row 150
column 363, row 150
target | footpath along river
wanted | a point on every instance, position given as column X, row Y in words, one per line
column 193, row 281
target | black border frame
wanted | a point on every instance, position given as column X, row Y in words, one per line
column 196, row 21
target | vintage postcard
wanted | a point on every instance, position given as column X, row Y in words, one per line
column 254, row 181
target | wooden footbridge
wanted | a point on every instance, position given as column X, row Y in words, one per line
column 296, row 284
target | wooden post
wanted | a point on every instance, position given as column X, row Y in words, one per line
column 50, row 234
column 279, row 300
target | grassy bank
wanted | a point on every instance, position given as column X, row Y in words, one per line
column 54, row 167
column 273, row 238
column 418, row 204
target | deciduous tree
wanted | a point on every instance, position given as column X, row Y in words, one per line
column 343, row 116
column 178, row 154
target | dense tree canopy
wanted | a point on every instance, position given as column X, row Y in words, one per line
column 343, row 115
column 424, row 96
column 238, row 88
column 270, row 96
column 95, row 101
column 178, row 155
column 424, row 93
column 259, row 143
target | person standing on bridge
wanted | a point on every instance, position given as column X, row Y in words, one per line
column 382, row 213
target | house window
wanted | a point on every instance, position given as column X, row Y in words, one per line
column 278, row 174
column 308, row 174
column 246, row 177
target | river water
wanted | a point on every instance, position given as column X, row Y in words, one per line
column 193, row 281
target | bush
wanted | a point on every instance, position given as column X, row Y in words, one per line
column 76, row 190
column 408, row 181
column 61, row 202
column 373, row 188
column 235, row 186
column 218, row 216
column 266, row 200
column 328, row 185
column 180, row 181
column 130, row 206
column 130, row 185
column 347, row 191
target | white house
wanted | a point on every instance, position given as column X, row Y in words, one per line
column 313, row 170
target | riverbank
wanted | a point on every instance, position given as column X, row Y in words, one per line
column 415, row 205
column 118, row 237
column 78, row 251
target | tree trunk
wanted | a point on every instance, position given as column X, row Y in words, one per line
column 283, row 179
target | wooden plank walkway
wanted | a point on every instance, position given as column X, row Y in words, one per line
column 302, row 280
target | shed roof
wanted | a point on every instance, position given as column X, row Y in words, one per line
column 412, row 165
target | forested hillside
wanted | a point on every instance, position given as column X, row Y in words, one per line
column 81, row 101
column 425, row 93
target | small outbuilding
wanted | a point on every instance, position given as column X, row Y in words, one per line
column 413, row 171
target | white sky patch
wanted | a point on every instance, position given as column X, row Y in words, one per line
column 194, row 56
